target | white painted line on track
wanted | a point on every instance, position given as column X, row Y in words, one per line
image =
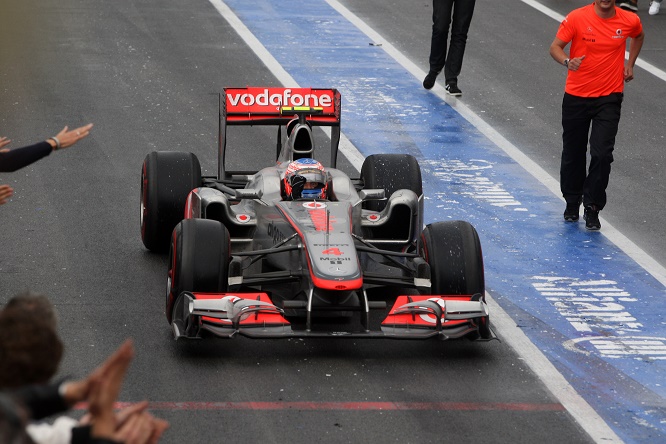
column 580, row 410
column 254, row 44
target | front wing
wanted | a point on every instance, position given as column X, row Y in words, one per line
column 254, row 315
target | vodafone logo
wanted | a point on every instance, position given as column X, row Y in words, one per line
column 280, row 97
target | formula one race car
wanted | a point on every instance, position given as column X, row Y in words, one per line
column 297, row 249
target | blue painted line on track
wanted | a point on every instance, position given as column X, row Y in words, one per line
column 591, row 310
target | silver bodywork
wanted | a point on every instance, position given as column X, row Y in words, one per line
column 294, row 262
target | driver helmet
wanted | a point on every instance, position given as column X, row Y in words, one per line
column 305, row 178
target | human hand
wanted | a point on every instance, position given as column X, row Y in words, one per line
column 104, row 387
column 77, row 391
column 575, row 63
column 68, row 138
column 628, row 73
column 6, row 192
column 145, row 428
column 4, row 141
column 121, row 416
column 140, row 428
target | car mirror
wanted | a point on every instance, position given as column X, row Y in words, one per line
column 248, row 193
column 372, row 194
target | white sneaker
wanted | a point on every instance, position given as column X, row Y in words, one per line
column 654, row 8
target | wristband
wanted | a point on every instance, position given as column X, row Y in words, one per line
column 57, row 142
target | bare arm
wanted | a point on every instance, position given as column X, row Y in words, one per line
column 634, row 49
column 66, row 137
column 558, row 54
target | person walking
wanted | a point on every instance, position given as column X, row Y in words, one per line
column 456, row 14
column 593, row 97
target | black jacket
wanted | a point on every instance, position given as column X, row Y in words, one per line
column 16, row 159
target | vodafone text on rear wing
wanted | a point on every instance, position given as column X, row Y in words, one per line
column 277, row 106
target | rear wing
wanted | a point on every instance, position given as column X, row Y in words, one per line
column 277, row 106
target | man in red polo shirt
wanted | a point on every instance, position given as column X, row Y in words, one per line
column 593, row 95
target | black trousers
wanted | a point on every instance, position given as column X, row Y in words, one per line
column 456, row 14
column 602, row 114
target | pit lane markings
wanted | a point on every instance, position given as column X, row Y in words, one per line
column 600, row 305
column 352, row 406
column 469, row 176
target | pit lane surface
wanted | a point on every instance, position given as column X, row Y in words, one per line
column 142, row 73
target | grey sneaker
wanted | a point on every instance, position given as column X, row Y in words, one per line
column 654, row 8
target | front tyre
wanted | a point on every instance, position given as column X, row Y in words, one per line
column 453, row 251
column 198, row 260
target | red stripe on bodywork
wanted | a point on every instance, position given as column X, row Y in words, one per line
column 326, row 284
column 254, row 319
column 188, row 205
column 420, row 320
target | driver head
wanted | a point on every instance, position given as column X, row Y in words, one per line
column 305, row 178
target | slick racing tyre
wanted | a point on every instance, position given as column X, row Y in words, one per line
column 198, row 259
column 453, row 251
column 391, row 172
column 166, row 180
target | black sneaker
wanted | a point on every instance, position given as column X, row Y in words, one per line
column 429, row 80
column 591, row 216
column 572, row 212
column 628, row 5
column 453, row 90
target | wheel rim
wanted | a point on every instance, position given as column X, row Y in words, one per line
column 144, row 190
column 170, row 296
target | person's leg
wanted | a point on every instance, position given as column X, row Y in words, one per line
column 602, row 142
column 575, row 128
column 463, row 10
column 441, row 20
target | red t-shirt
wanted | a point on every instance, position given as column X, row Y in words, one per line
column 603, row 43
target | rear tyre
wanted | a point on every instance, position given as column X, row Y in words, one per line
column 198, row 260
column 166, row 180
column 391, row 172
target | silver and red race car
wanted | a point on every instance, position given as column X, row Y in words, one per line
column 296, row 249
